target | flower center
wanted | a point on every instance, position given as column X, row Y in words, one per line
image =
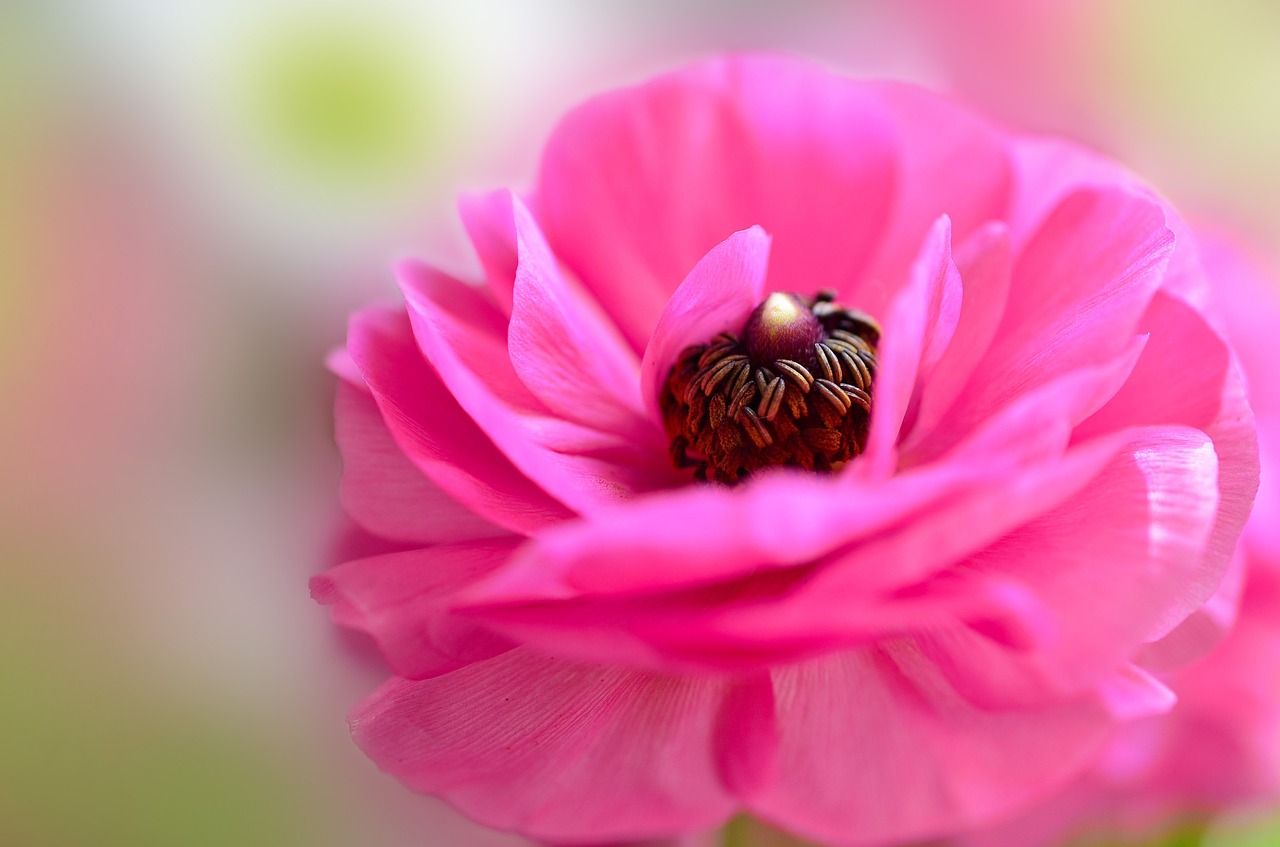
column 793, row 388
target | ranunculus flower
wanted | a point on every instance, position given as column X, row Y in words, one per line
column 867, row 626
column 1218, row 749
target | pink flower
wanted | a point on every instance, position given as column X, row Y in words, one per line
column 899, row 623
column 1218, row 749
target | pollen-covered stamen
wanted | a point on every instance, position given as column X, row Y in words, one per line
column 793, row 388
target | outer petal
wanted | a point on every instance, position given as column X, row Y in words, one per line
column 560, row 751
column 491, row 228
column 434, row 433
column 857, row 596
column 1148, row 517
column 1046, row 171
column 1251, row 305
column 383, row 491
column 402, row 600
column 719, row 294
column 639, row 587
column 702, row 534
column 717, row 148
column 875, row 748
column 1186, row 377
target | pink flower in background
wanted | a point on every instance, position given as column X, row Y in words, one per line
column 1218, row 749
column 978, row 463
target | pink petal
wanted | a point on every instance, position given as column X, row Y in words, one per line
column 568, row 354
column 702, row 534
column 1014, row 467
column 341, row 365
column 867, row 592
column 1048, row 170
column 582, row 467
column 491, row 228
column 434, row 433
column 748, row 733
column 557, row 750
column 1148, row 516
column 402, row 600
column 717, row 295
column 858, row 596
column 1079, row 289
column 984, row 264
column 876, row 748
column 1179, row 379
column 383, row 491
column 917, row 330
column 640, row 584
column 712, row 149
column 1132, row 693
column 950, row 162
column 1186, row 377
column 1059, row 405
column 1202, row 630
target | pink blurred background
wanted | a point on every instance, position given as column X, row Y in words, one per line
column 195, row 195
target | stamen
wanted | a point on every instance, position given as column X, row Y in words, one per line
column 795, row 372
column 828, row 362
column 834, row 395
column 737, row 403
column 771, row 399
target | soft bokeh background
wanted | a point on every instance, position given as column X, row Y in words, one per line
column 194, row 194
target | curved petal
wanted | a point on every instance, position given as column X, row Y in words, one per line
column 381, row 489
column 1079, row 289
column 1202, row 630
column 896, row 582
column 1186, row 377
column 717, row 148
column 719, row 294
column 1047, row 170
column 583, row 467
column 558, row 750
column 434, row 433
column 1148, row 516
column 568, row 353
column 917, row 330
column 491, row 228
column 984, row 263
column 874, row 747
column 701, row 535
column 402, row 600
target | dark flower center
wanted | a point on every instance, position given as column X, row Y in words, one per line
column 793, row 388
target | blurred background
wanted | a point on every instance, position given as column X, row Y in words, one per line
column 192, row 197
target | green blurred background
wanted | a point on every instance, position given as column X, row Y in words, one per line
column 194, row 196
